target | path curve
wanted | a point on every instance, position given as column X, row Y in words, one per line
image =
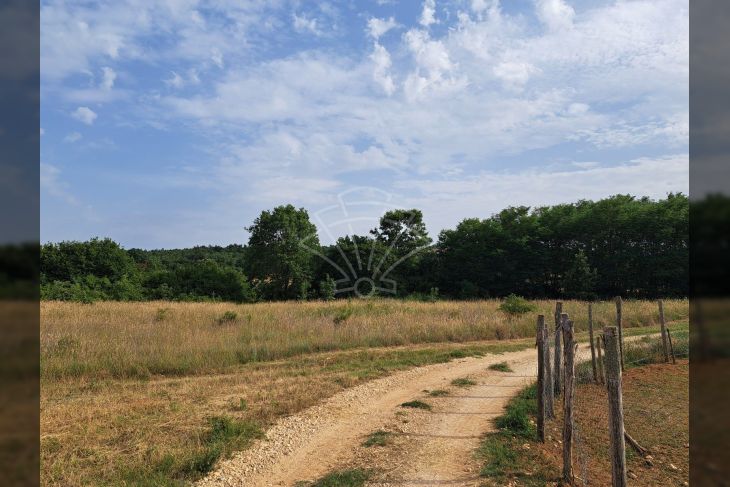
column 324, row 437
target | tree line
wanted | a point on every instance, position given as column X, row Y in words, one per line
column 622, row 245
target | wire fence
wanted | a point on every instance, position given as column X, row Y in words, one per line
column 590, row 438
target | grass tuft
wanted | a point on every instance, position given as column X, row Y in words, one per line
column 416, row 405
column 463, row 382
column 438, row 393
column 501, row 367
column 345, row 478
column 377, row 438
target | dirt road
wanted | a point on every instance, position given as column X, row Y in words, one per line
column 428, row 447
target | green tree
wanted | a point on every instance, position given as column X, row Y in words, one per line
column 580, row 280
column 280, row 258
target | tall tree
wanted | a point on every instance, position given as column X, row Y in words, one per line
column 280, row 252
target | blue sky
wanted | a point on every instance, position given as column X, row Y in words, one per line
column 174, row 123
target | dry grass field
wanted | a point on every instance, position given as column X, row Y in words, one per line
column 154, row 393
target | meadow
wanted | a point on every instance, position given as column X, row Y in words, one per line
column 141, row 339
column 154, row 393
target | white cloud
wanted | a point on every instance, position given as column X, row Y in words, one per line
column 381, row 71
column 85, row 115
column 217, row 57
column 379, row 27
column 428, row 14
column 72, row 137
column 108, row 78
column 302, row 24
column 175, row 81
column 555, row 14
column 514, row 75
column 51, row 183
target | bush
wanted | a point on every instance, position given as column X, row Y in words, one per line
column 327, row 288
column 516, row 305
column 228, row 317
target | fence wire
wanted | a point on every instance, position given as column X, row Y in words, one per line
column 590, row 406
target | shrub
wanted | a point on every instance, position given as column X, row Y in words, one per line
column 327, row 288
column 162, row 314
column 516, row 305
column 228, row 317
column 342, row 315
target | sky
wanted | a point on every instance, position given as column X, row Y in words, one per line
column 175, row 123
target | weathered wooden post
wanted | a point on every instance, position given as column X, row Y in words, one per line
column 620, row 326
column 542, row 384
column 550, row 402
column 568, row 419
column 615, row 407
column 601, row 376
column 671, row 347
column 663, row 325
column 590, row 337
column 557, row 369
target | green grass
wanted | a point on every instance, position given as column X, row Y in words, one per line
column 501, row 367
column 516, row 418
column 224, row 436
column 463, row 382
column 502, row 452
column 377, row 438
column 416, row 405
column 438, row 393
column 344, row 478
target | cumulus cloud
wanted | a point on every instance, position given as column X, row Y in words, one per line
column 555, row 14
column 108, row 76
column 379, row 27
column 84, row 115
column 381, row 71
column 303, row 24
column 428, row 14
column 514, row 75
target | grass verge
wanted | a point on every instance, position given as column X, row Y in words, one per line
column 503, row 452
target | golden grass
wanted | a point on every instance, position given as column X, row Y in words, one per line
column 127, row 391
column 111, row 339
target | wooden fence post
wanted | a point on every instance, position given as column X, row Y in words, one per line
column 568, row 419
column 615, row 407
column 601, row 376
column 663, row 325
column 620, row 326
column 557, row 369
column 549, row 406
column 671, row 347
column 542, row 384
column 590, row 336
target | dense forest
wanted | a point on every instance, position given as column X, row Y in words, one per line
column 622, row 245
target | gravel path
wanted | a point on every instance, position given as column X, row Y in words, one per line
column 325, row 437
